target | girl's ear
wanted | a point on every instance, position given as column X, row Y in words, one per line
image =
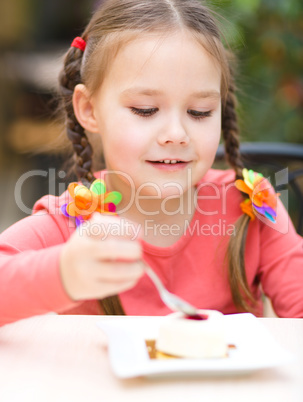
column 83, row 108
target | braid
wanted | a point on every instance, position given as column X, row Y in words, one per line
column 69, row 77
column 242, row 296
column 230, row 130
column 241, row 293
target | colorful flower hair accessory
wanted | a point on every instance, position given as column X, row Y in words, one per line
column 86, row 201
column 262, row 196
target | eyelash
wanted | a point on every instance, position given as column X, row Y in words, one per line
column 200, row 115
column 144, row 112
column 150, row 112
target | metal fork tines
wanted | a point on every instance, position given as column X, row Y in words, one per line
column 172, row 301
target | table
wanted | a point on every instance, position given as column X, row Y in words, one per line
column 64, row 358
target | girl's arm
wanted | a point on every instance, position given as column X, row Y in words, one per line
column 45, row 265
column 30, row 281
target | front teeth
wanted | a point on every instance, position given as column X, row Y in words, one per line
column 168, row 161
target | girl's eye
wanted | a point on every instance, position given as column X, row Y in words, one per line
column 151, row 111
column 199, row 115
column 144, row 112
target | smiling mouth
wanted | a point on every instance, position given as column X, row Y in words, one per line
column 168, row 161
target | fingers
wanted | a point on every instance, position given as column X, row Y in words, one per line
column 98, row 263
column 106, row 279
column 121, row 250
column 86, row 277
column 110, row 250
column 117, row 272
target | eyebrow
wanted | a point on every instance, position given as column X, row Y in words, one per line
column 154, row 92
column 206, row 94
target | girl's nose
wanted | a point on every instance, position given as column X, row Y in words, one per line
column 173, row 133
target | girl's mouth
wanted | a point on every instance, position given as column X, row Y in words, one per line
column 169, row 161
column 169, row 164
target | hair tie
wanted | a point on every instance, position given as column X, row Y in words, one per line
column 79, row 43
column 262, row 196
column 86, row 201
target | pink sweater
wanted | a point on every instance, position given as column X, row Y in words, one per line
column 193, row 267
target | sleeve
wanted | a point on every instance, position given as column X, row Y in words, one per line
column 30, row 282
column 281, row 265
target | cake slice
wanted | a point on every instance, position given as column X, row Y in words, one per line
column 200, row 336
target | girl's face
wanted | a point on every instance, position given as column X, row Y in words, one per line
column 160, row 102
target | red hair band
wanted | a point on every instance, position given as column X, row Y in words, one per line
column 79, row 43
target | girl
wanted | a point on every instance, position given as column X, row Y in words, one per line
column 153, row 81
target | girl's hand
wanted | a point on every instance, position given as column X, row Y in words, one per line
column 94, row 268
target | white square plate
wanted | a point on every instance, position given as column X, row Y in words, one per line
column 255, row 349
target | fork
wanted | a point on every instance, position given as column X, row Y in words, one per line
column 172, row 301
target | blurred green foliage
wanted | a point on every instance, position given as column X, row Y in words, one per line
column 267, row 37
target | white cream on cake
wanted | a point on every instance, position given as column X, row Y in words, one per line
column 183, row 336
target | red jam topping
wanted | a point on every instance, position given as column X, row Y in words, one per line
column 198, row 317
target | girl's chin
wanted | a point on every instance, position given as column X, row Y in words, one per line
column 176, row 194
column 161, row 192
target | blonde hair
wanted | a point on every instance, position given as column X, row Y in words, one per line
column 115, row 23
